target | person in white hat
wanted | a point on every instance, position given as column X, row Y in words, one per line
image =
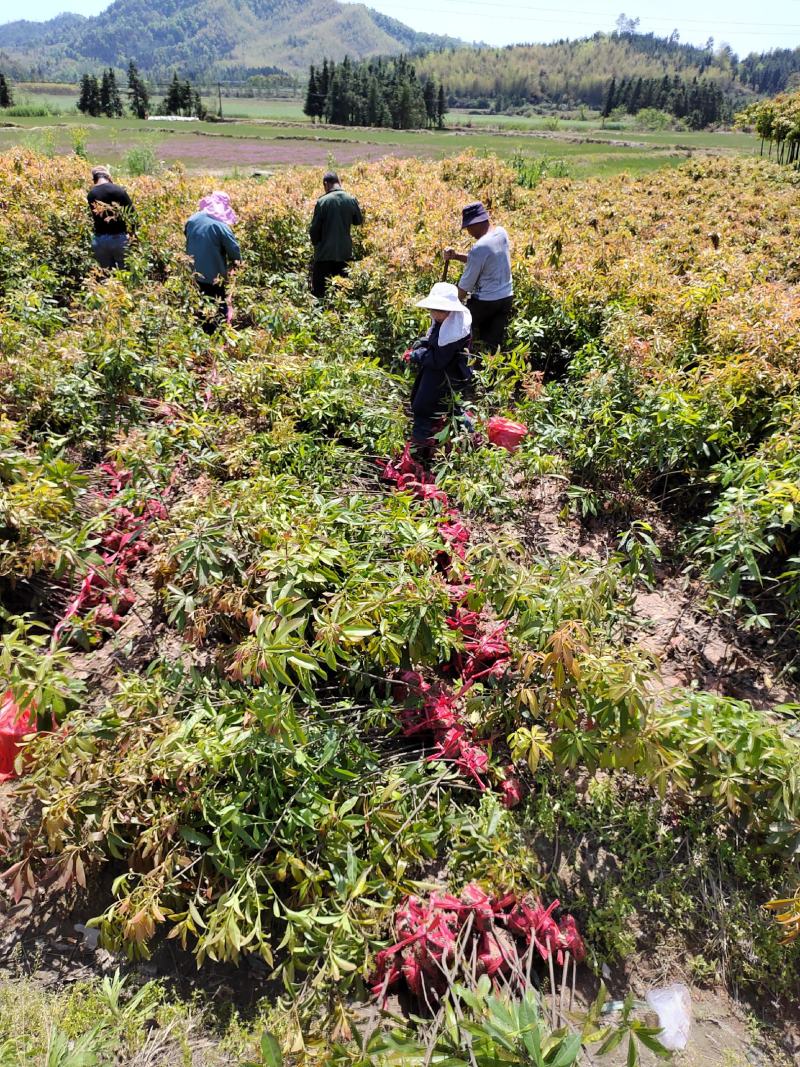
column 442, row 357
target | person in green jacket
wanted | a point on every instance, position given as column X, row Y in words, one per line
column 335, row 212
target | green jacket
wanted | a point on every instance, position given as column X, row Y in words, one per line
column 334, row 214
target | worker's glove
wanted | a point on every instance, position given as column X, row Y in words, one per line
column 417, row 352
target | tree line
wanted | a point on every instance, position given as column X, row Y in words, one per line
column 771, row 72
column 374, row 92
column 569, row 73
column 699, row 101
column 103, row 97
column 777, row 122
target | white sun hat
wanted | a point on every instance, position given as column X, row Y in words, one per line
column 458, row 324
column 442, row 297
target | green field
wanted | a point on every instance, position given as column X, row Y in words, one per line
column 266, row 134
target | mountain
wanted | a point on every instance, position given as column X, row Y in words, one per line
column 25, row 35
column 220, row 38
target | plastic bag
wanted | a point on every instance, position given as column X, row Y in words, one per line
column 13, row 727
column 673, row 1005
column 505, row 433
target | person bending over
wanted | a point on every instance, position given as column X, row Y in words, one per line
column 442, row 359
column 112, row 210
column 487, row 276
column 214, row 250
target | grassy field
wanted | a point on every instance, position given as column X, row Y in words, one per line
column 266, row 134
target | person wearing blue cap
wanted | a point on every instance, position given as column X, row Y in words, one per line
column 487, row 277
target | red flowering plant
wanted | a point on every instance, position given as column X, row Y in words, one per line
column 446, row 940
column 104, row 597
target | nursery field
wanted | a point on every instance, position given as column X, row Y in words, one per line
column 338, row 760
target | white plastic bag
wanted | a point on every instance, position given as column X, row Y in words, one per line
column 673, row 1005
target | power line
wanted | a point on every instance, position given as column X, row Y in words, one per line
column 560, row 22
column 603, row 15
column 599, row 15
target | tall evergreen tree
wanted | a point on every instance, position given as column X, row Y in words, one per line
column 611, row 99
column 110, row 100
column 324, row 83
column 137, row 93
column 636, row 96
column 89, row 99
column 6, row 96
column 441, row 107
column 114, row 98
column 175, row 100
column 429, row 96
column 105, row 94
column 314, row 105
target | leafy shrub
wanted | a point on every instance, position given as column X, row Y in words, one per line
column 30, row 110
column 141, row 160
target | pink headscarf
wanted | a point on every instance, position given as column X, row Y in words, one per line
column 218, row 206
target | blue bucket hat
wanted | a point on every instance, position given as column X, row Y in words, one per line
column 473, row 214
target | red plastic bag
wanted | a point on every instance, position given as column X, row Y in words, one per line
column 505, row 433
column 14, row 724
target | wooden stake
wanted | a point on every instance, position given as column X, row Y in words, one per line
column 552, row 990
column 564, row 971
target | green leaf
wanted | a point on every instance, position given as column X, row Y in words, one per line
column 633, row 1053
column 194, row 837
column 654, row 1045
column 270, row 1051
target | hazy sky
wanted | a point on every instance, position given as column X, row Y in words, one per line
column 509, row 21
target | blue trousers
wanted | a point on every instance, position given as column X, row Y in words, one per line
column 109, row 249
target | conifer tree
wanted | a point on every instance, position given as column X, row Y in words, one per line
column 110, row 101
column 173, row 101
column 6, row 96
column 105, row 95
column 137, row 93
column 314, row 105
column 89, row 100
column 324, row 86
column 378, row 92
column 611, row 99
column 114, row 98
column 429, row 95
column 441, row 107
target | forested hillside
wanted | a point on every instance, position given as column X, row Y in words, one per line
column 579, row 72
column 226, row 38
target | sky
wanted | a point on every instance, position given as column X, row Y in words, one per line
column 514, row 21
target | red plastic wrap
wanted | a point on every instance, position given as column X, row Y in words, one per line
column 506, row 434
column 14, row 724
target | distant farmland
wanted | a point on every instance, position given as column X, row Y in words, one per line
column 261, row 134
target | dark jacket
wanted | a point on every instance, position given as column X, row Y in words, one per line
column 109, row 204
column 334, row 214
column 443, row 370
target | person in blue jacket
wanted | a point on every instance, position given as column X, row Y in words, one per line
column 442, row 359
column 214, row 250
